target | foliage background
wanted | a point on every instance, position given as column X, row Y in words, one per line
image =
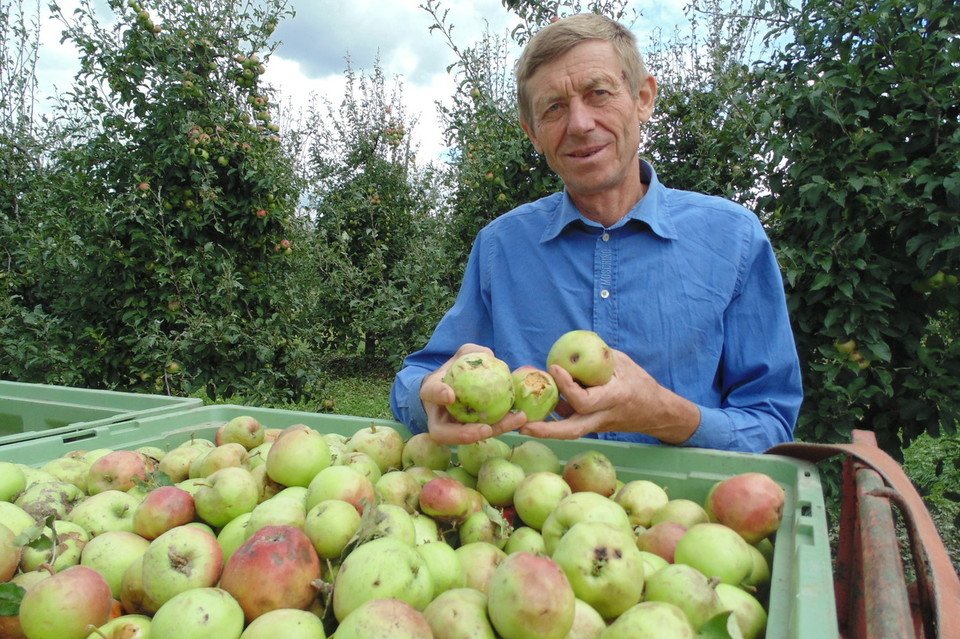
column 162, row 232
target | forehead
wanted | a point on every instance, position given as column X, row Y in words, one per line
column 590, row 63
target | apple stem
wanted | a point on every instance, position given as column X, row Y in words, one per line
column 93, row 630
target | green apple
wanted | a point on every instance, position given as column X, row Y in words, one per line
column 111, row 553
column 297, row 455
column 230, row 492
column 199, row 613
column 105, row 511
column 12, row 480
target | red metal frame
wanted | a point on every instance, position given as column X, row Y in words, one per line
column 873, row 598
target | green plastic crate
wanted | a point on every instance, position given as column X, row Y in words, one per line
column 802, row 603
column 31, row 411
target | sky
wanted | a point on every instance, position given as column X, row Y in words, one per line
column 314, row 46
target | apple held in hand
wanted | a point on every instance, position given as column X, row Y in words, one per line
column 584, row 355
column 534, row 392
column 483, row 387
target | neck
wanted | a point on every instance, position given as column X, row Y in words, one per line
column 608, row 207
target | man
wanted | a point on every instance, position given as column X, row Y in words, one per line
column 685, row 287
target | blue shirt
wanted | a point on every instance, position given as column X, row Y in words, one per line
column 686, row 284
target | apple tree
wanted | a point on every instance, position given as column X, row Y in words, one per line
column 862, row 130
column 168, row 264
column 371, row 244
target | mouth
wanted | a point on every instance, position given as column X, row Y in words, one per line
column 580, row 154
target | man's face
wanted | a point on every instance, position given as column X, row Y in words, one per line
column 585, row 121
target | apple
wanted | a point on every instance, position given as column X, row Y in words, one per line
column 389, row 520
column 661, row 539
column 181, row 559
column 244, row 430
column 297, row 455
column 399, row 488
column 482, row 386
column 117, row 470
column 161, row 509
column 111, row 553
column 747, row 610
column 759, row 576
column 361, row 463
column 258, row 455
column 12, row 480
column 537, row 495
column 383, row 444
column 577, row 507
column 534, row 392
column 69, row 469
column 198, row 613
column 651, row 620
column 384, row 618
column 232, row 536
column 530, row 597
column 176, row 464
column 471, row 456
column 640, row 498
column 381, row 568
column 426, row 529
column 421, row 450
column 49, row 498
column 65, row 550
column 230, row 455
column 587, row 622
column 275, row 568
column 444, row 566
column 445, row 499
column 455, row 472
column 584, row 355
column 749, row 503
column 479, row 560
column 525, row 538
column 484, row 525
column 423, row 474
column 590, row 470
column 535, row 456
column 330, row 525
column 497, row 479
column 603, row 565
column 687, row 588
column 65, row 604
column 133, row 598
column 10, row 554
column 683, row 511
column 130, row 626
column 230, row 492
column 105, row 511
column 716, row 551
column 337, row 444
column 459, row 613
column 344, row 483
column 287, row 623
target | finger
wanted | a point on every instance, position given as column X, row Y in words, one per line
column 572, row 428
column 455, row 433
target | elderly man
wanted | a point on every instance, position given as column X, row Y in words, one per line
column 683, row 286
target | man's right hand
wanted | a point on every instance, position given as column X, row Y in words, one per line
column 441, row 425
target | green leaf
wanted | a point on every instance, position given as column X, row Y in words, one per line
column 10, row 597
column 722, row 626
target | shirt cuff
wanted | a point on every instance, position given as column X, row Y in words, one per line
column 715, row 431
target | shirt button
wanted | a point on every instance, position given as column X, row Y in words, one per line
column 604, row 293
column 605, row 237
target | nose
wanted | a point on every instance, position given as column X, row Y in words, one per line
column 580, row 119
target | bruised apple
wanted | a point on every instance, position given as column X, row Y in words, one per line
column 584, row 355
column 534, row 392
column 483, row 387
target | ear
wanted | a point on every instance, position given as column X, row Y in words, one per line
column 647, row 98
column 530, row 134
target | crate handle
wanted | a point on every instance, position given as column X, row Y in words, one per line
column 937, row 581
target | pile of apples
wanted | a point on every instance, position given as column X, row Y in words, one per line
column 268, row 532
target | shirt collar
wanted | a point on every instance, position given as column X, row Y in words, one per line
column 651, row 210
